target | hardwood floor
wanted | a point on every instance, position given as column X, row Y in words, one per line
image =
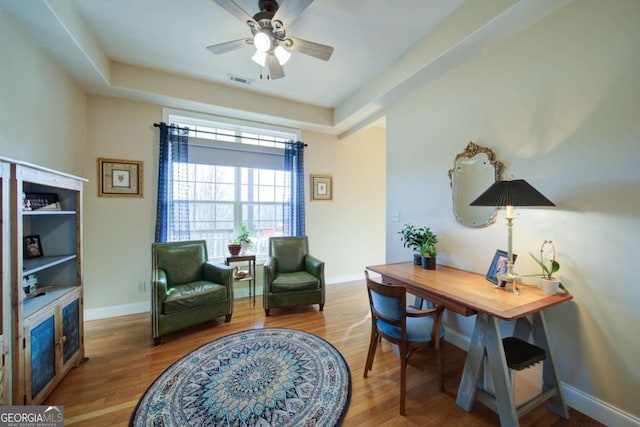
column 123, row 362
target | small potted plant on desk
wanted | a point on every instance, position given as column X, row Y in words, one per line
column 548, row 281
column 428, row 250
column 422, row 241
column 409, row 235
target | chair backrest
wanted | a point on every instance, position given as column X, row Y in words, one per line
column 181, row 261
column 387, row 302
column 289, row 252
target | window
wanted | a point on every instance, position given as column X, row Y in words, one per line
column 234, row 175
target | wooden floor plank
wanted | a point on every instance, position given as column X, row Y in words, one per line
column 123, row 362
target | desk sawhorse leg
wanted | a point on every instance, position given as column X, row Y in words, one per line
column 487, row 338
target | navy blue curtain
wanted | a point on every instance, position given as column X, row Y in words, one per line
column 172, row 213
column 294, row 209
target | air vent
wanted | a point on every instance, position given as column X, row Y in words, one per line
column 240, row 80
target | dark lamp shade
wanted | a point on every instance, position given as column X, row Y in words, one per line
column 517, row 192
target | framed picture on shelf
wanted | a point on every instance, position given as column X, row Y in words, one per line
column 32, row 247
column 120, row 178
column 499, row 264
column 321, row 187
column 40, row 201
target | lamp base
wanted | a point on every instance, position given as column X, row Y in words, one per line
column 509, row 279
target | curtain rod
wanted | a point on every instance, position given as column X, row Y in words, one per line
column 157, row 125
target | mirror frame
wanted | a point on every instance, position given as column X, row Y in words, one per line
column 470, row 151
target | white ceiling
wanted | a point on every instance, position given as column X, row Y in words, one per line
column 368, row 36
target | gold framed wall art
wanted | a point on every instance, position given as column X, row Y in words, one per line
column 321, row 187
column 120, row 178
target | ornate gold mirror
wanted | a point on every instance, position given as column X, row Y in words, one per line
column 474, row 170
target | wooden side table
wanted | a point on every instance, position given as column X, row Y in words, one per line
column 251, row 277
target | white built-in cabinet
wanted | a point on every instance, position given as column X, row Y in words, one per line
column 47, row 322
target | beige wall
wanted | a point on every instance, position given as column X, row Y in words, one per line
column 119, row 231
column 559, row 105
column 348, row 231
column 42, row 112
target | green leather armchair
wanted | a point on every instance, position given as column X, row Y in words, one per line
column 292, row 277
column 186, row 289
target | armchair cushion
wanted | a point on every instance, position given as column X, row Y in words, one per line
column 291, row 282
column 200, row 292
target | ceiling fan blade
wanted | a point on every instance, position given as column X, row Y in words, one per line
column 289, row 11
column 233, row 8
column 275, row 69
column 221, row 48
column 316, row 50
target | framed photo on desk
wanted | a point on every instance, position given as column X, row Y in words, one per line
column 500, row 264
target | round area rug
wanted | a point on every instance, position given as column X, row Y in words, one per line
column 259, row 377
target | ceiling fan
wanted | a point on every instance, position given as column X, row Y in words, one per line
column 269, row 36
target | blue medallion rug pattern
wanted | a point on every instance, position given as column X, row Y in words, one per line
column 259, row 377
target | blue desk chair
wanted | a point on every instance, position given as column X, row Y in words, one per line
column 409, row 330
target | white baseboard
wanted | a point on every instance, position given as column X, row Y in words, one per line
column 145, row 307
column 597, row 409
column 577, row 399
column 345, row 278
column 117, row 310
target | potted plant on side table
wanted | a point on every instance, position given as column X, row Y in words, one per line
column 244, row 238
column 242, row 241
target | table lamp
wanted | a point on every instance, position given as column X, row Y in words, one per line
column 508, row 194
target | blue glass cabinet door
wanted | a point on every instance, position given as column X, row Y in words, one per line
column 43, row 355
column 70, row 330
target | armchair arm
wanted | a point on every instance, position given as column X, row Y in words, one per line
column 269, row 269
column 158, row 287
column 218, row 273
column 314, row 266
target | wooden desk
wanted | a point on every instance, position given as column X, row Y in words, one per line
column 468, row 294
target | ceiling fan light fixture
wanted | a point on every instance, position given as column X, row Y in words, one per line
column 282, row 54
column 262, row 41
column 260, row 58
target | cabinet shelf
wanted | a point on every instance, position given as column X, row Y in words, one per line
column 34, row 265
column 46, row 212
column 32, row 305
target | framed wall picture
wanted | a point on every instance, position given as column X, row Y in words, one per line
column 120, row 178
column 321, row 187
column 499, row 264
column 32, row 247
